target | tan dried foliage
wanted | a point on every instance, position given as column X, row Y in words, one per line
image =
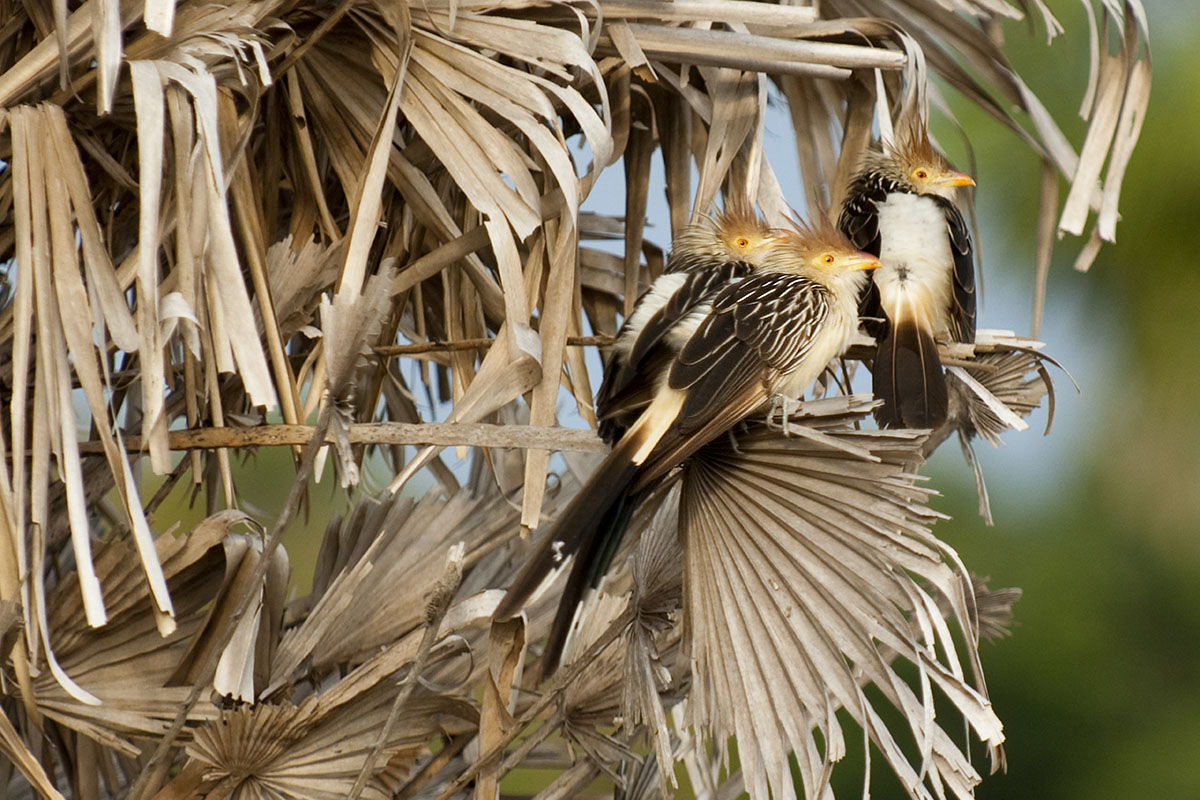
column 220, row 217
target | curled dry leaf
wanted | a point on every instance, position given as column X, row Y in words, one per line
column 129, row 663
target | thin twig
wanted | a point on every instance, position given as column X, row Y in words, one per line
column 391, row 350
column 564, row 678
column 435, row 765
column 856, row 352
column 415, row 348
column 447, row 434
column 957, row 351
column 435, row 611
column 543, row 732
column 331, row 19
column 169, row 483
column 570, row 782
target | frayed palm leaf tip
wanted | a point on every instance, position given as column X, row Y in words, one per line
column 992, row 392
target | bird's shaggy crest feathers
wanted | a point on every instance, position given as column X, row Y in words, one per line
column 736, row 233
column 915, row 164
column 817, row 249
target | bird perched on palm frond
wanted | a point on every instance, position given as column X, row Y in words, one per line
column 901, row 207
column 706, row 347
column 704, row 256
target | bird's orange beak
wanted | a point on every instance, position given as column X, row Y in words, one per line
column 861, row 260
column 955, row 178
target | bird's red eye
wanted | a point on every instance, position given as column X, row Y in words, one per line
column 742, row 242
column 921, row 174
column 828, row 258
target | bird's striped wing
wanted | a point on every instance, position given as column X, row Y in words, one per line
column 629, row 378
column 962, row 318
column 859, row 221
column 759, row 329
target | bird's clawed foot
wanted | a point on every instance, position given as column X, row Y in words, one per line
column 784, row 406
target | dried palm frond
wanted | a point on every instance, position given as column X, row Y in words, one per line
column 994, row 607
column 137, row 673
column 481, row 161
column 642, row 675
column 376, row 572
column 992, row 392
column 176, row 229
column 810, row 574
column 809, row 570
column 310, row 752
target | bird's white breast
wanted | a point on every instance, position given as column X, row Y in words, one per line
column 831, row 338
column 916, row 256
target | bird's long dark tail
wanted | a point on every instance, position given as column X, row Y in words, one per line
column 592, row 561
column 907, row 374
column 585, row 529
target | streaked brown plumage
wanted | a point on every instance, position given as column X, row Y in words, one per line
column 706, row 347
column 705, row 255
column 901, row 207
